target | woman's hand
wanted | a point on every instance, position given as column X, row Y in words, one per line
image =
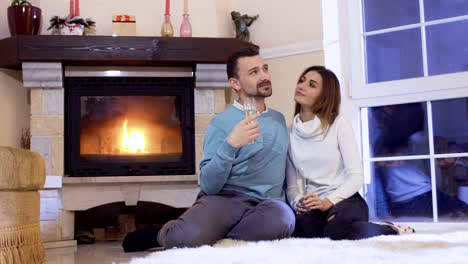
column 300, row 208
column 312, row 201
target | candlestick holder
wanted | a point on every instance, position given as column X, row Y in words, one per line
column 186, row 27
column 166, row 29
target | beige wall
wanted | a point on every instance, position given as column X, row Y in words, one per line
column 14, row 108
column 208, row 19
column 282, row 22
column 204, row 14
column 4, row 20
column 284, row 74
column 226, row 28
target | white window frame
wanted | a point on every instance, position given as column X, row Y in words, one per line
column 426, row 88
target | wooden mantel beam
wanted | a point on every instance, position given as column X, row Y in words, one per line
column 117, row 51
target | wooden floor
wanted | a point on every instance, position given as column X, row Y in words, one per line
column 99, row 253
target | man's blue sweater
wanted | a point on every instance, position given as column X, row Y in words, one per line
column 256, row 169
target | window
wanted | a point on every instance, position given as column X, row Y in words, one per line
column 416, row 160
column 409, row 76
column 408, row 46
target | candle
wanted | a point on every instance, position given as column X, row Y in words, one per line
column 77, row 7
column 185, row 7
column 168, row 7
column 72, row 8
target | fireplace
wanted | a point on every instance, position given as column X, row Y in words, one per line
column 117, row 124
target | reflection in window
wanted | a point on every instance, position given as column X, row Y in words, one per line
column 398, row 130
column 403, row 188
column 401, row 184
column 450, row 122
column 452, row 187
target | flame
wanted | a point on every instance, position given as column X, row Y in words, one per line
column 135, row 143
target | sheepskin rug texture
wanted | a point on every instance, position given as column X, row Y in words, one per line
column 450, row 247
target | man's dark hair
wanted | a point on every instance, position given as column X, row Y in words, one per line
column 234, row 58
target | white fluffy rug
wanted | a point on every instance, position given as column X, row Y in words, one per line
column 449, row 247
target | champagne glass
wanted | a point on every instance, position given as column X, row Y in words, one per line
column 250, row 108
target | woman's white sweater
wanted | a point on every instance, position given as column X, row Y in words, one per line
column 326, row 163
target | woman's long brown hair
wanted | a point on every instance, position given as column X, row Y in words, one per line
column 328, row 104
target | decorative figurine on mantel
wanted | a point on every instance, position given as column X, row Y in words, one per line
column 72, row 24
column 242, row 23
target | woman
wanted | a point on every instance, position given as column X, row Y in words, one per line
column 324, row 171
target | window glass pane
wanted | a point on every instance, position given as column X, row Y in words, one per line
column 450, row 123
column 394, row 56
column 379, row 14
column 398, row 130
column 439, row 9
column 447, row 50
column 402, row 189
column 452, row 189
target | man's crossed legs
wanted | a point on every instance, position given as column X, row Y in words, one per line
column 213, row 217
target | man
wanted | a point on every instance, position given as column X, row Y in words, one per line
column 241, row 175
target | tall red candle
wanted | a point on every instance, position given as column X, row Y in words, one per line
column 168, row 7
column 77, row 7
column 72, row 8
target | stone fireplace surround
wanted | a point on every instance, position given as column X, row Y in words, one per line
column 64, row 195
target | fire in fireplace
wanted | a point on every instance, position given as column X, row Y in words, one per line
column 129, row 125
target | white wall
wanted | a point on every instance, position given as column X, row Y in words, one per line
column 335, row 33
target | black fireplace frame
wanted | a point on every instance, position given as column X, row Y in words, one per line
column 75, row 87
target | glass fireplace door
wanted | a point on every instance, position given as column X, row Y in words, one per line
column 124, row 126
column 116, row 127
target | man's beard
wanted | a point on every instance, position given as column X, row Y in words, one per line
column 261, row 93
